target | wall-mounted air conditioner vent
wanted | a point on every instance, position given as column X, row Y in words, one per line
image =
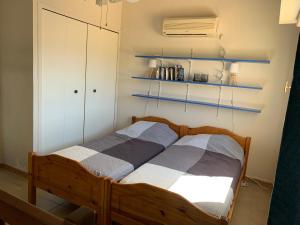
column 205, row 26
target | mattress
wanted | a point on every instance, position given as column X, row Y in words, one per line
column 204, row 169
column 121, row 152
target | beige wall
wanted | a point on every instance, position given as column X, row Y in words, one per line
column 250, row 29
column 16, row 81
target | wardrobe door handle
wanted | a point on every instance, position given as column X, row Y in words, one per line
column 95, row 90
column 76, row 91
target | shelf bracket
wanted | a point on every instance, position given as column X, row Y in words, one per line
column 149, row 93
column 186, row 96
column 219, row 99
column 159, row 91
column 190, row 66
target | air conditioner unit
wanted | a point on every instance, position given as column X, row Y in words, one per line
column 205, row 26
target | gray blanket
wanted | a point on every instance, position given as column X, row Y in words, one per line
column 204, row 169
column 122, row 152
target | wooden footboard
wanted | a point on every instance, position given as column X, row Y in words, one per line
column 15, row 212
column 143, row 204
column 69, row 180
column 139, row 204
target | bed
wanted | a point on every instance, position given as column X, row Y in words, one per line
column 79, row 173
column 195, row 181
column 128, row 204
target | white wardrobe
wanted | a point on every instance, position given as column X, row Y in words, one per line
column 77, row 82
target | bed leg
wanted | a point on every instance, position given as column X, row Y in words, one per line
column 31, row 186
column 100, row 220
column 103, row 212
column 107, row 201
column 31, row 193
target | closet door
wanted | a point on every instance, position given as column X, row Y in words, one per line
column 102, row 55
column 62, row 81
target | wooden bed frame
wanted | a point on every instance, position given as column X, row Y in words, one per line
column 14, row 211
column 69, row 180
column 135, row 204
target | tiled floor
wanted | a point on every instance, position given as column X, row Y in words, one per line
column 252, row 207
column 17, row 186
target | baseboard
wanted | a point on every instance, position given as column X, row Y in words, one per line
column 263, row 182
column 13, row 170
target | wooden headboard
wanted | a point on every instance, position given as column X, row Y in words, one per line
column 243, row 141
column 185, row 130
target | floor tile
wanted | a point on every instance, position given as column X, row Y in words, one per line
column 64, row 209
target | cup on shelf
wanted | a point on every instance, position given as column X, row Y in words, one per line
column 162, row 73
column 180, row 73
column 171, row 73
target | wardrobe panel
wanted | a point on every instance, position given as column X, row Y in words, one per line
column 102, row 56
column 62, row 81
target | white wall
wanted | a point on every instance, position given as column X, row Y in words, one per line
column 16, row 81
column 250, row 30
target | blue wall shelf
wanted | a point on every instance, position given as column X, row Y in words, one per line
column 201, row 83
column 206, row 59
column 252, row 110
